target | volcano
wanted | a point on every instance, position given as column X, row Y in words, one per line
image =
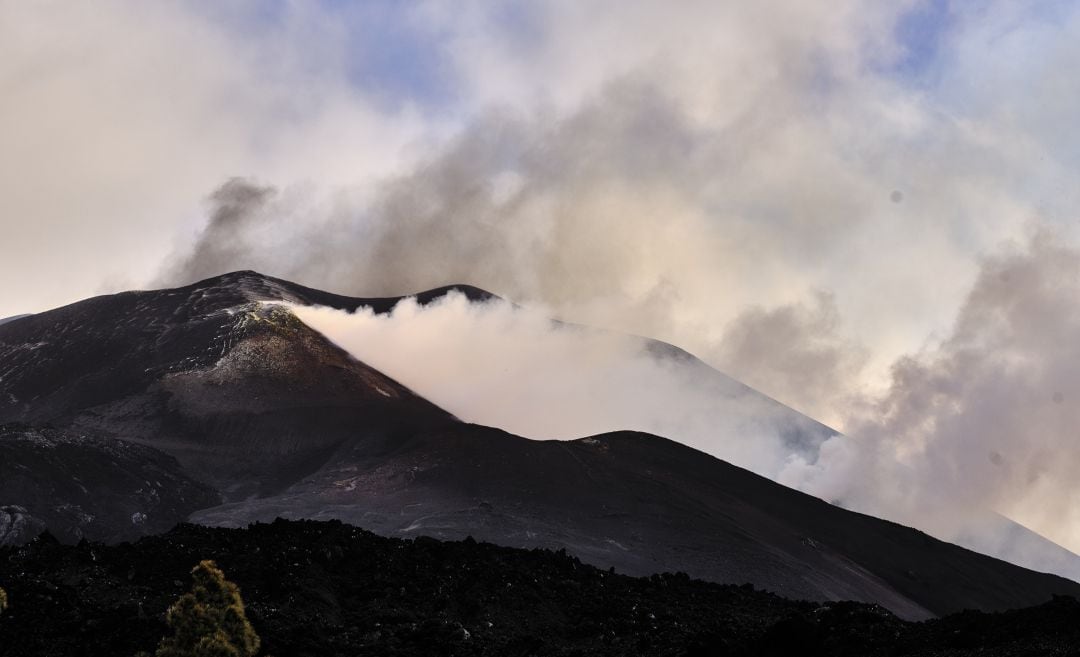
column 232, row 410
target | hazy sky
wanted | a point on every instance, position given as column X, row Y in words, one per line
column 866, row 209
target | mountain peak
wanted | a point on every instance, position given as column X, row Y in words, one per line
column 236, row 387
column 247, row 285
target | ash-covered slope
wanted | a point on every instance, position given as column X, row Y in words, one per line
column 282, row 422
column 93, row 488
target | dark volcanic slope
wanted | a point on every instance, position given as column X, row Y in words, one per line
column 5, row 320
column 645, row 504
column 282, row 422
column 243, row 393
column 326, row 589
column 98, row 489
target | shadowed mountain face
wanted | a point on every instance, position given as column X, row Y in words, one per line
column 242, row 393
column 92, row 488
column 282, row 422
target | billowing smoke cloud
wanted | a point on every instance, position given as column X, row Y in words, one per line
column 986, row 419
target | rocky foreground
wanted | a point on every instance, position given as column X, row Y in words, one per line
column 326, row 588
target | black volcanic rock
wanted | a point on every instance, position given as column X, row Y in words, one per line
column 89, row 488
column 225, row 378
column 327, row 589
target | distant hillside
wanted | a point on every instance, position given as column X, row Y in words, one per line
column 89, row 488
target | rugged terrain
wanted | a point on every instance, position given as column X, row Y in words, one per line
column 90, row 488
column 278, row 421
column 324, row 589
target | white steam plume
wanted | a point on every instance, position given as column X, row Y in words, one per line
column 512, row 367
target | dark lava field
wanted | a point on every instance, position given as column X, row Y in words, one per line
column 327, row 588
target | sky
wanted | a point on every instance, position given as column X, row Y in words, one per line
column 866, row 210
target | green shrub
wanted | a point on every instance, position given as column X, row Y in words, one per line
column 3, row 601
column 209, row 621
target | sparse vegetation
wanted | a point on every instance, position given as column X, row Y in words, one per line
column 210, row 620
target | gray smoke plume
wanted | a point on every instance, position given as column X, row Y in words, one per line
column 227, row 238
column 987, row 419
column 796, row 351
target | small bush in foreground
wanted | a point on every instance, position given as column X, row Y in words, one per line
column 210, row 620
